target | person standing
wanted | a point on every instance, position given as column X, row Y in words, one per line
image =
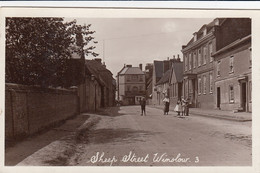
column 166, row 101
column 178, row 107
column 183, row 105
column 143, row 103
column 187, row 106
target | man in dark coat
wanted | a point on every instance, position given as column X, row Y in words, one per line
column 143, row 103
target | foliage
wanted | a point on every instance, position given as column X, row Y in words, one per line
column 39, row 51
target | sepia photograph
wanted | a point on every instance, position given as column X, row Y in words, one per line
column 131, row 90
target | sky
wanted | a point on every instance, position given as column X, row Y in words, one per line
column 140, row 40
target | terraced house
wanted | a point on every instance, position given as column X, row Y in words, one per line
column 198, row 82
column 200, row 72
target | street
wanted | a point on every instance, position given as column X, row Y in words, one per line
column 124, row 138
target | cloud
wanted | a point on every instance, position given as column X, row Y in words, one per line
column 169, row 27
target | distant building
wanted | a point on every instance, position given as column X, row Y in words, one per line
column 131, row 85
column 233, row 84
column 160, row 80
column 175, row 82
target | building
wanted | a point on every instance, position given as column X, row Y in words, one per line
column 148, row 82
column 175, row 82
column 198, row 72
column 98, row 89
column 160, row 79
column 162, row 88
column 131, row 85
column 233, row 84
column 198, row 79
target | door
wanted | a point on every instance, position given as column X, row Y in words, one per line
column 218, row 97
column 243, row 96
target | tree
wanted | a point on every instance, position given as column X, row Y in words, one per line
column 39, row 50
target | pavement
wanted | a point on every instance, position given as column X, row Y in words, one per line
column 213, row 113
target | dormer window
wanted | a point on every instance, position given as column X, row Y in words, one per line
column 195, row 37
column 205, row 32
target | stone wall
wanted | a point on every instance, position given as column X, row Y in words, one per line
column 31, row 109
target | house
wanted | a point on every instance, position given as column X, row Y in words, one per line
column 233, row 71
column 198, row 67
column 198, row 72
column 160, row 80
column 175, row 82
column 148, row 82
column 98, row 89
column 131, row 85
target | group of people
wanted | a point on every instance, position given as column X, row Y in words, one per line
column 182, row 106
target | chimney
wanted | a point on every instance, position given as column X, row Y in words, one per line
column 173, row 56
column 141, row 66
column 98, row 60
column 178, row 59
column 128, row 65
column 104, row 64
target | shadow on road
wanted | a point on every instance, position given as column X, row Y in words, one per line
column 101, row 136
column 110, row 111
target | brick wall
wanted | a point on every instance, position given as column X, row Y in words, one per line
column 31, row 109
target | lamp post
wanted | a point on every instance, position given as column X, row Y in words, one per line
column 93, row 79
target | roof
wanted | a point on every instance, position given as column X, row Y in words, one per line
column 131, row 70
column 165, row 78
column 100, row 71
column 178, row 70
column 158, row 67
column 232, row 45
column 209, row 26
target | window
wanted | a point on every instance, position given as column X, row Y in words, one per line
column 194, row 60
column 210, row 82
column 127, row 88
column 141, row 78
column 199, row 57
column 250, row 91
column 128, row 78
column 231, row 64
column 134, row 77
column 231, row 94
column 190, row 86
column 135, row 88
column 186, row 63
column 204, row 84
column 204, row 55
column 140, row 88
column 218, row 68
column 199, row 85
column 210, row 52
column 190, row 59
column 250, row 57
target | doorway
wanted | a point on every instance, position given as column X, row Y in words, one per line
column 243, row 96
column 218, row 97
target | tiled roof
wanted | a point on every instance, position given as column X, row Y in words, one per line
column 158, row 67
column 165, row 78
column 178, row 70
column 131, row 70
